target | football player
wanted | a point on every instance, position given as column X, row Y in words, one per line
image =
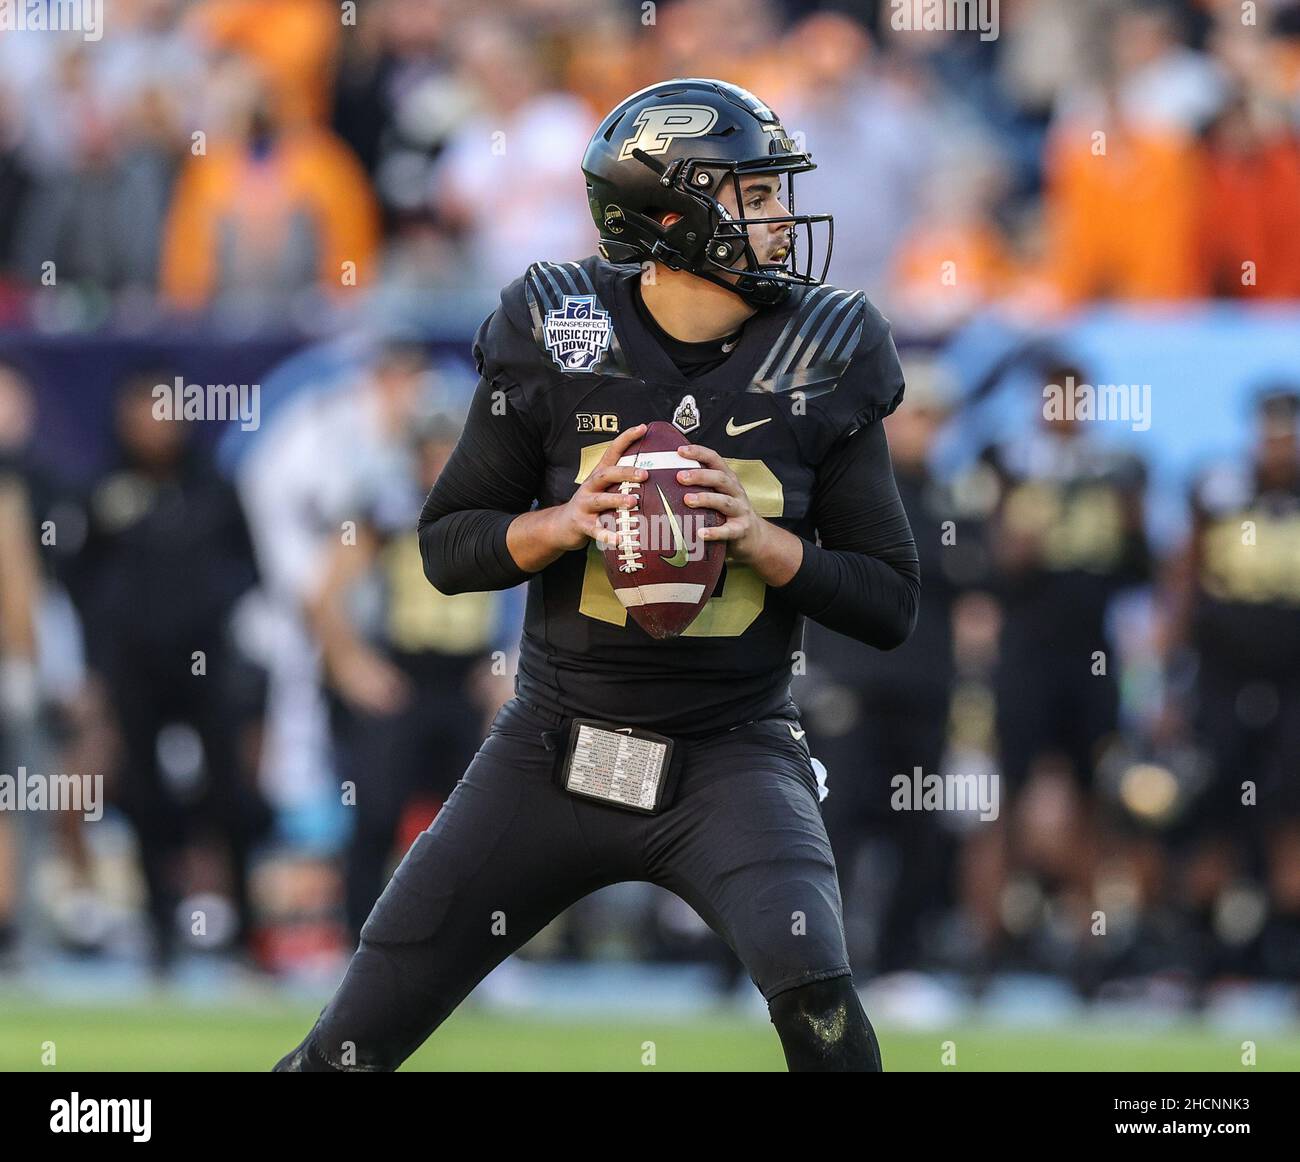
column 1067, row 535
column 706, row 307
column 1235, row 600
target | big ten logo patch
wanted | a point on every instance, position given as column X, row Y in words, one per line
column 597, row 422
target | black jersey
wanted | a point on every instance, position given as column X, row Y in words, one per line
column 1246, row 618
column 1080, row 506
column 566, row 364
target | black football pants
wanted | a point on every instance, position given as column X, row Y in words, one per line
column 743, row 843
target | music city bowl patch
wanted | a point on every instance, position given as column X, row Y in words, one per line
column 577, row 333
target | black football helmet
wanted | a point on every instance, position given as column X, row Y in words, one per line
column 671, row 147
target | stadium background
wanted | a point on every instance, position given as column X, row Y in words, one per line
column 274, row 193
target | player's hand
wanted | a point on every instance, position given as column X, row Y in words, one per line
column 719, row 488
column 579, row 520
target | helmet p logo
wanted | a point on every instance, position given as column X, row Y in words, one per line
column 656, row 127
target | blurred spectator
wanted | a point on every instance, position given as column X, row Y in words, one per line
column 269, row 210
column 1122, row 188
column 157, row 634
column 399, row 98
column 955, row 259
column 1121, row 210
column 99, row 171
column 50, row 714
column 1249, row 228
column 292, row 41
column 410, row 678
column 299, row 484
column 736, row 39
column 613, row 58
column 509, row 186
column 847, row 107
column 13, row 176
column 1161, row 84
column 1050, row 48
column 19, row 601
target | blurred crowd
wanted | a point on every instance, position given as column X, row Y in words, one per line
column 251, row 657
column 271, row 161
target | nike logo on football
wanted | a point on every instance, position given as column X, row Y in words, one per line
column 735, row 429
column 794, row 734
column 678, row 559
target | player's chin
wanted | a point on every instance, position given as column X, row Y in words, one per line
column 767, row 266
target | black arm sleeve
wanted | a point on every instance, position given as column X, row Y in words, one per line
column 864, row 579
column 494, row 474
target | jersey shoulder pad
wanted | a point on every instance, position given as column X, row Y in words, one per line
column 504, row 353
column 836, row 351
column 560, row 323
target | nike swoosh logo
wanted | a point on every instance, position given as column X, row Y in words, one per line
column 734, row 429
column 794, row 734
column 678, row 559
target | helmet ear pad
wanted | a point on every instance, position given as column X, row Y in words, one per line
column 680, row 245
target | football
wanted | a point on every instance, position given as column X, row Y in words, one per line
column 661, row 570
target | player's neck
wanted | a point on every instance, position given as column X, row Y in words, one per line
column 692, row 309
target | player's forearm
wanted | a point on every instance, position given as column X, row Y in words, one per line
column 864, row 579
column 868, row 599
column 467, row 552
column 492, row 477
column 533, row 541
column 779, row 555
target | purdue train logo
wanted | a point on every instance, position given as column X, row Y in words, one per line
column 577, row 333
column 687, row 416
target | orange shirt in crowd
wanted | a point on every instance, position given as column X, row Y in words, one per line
column 946, row 271
column 294, row 41
column 1250, row 212
column 229, row 198
column 1121, row 225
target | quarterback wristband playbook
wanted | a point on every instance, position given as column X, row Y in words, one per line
column 620, row 766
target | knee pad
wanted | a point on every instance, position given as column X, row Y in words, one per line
column 823, row 1028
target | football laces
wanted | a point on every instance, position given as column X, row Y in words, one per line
column 628, row 530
